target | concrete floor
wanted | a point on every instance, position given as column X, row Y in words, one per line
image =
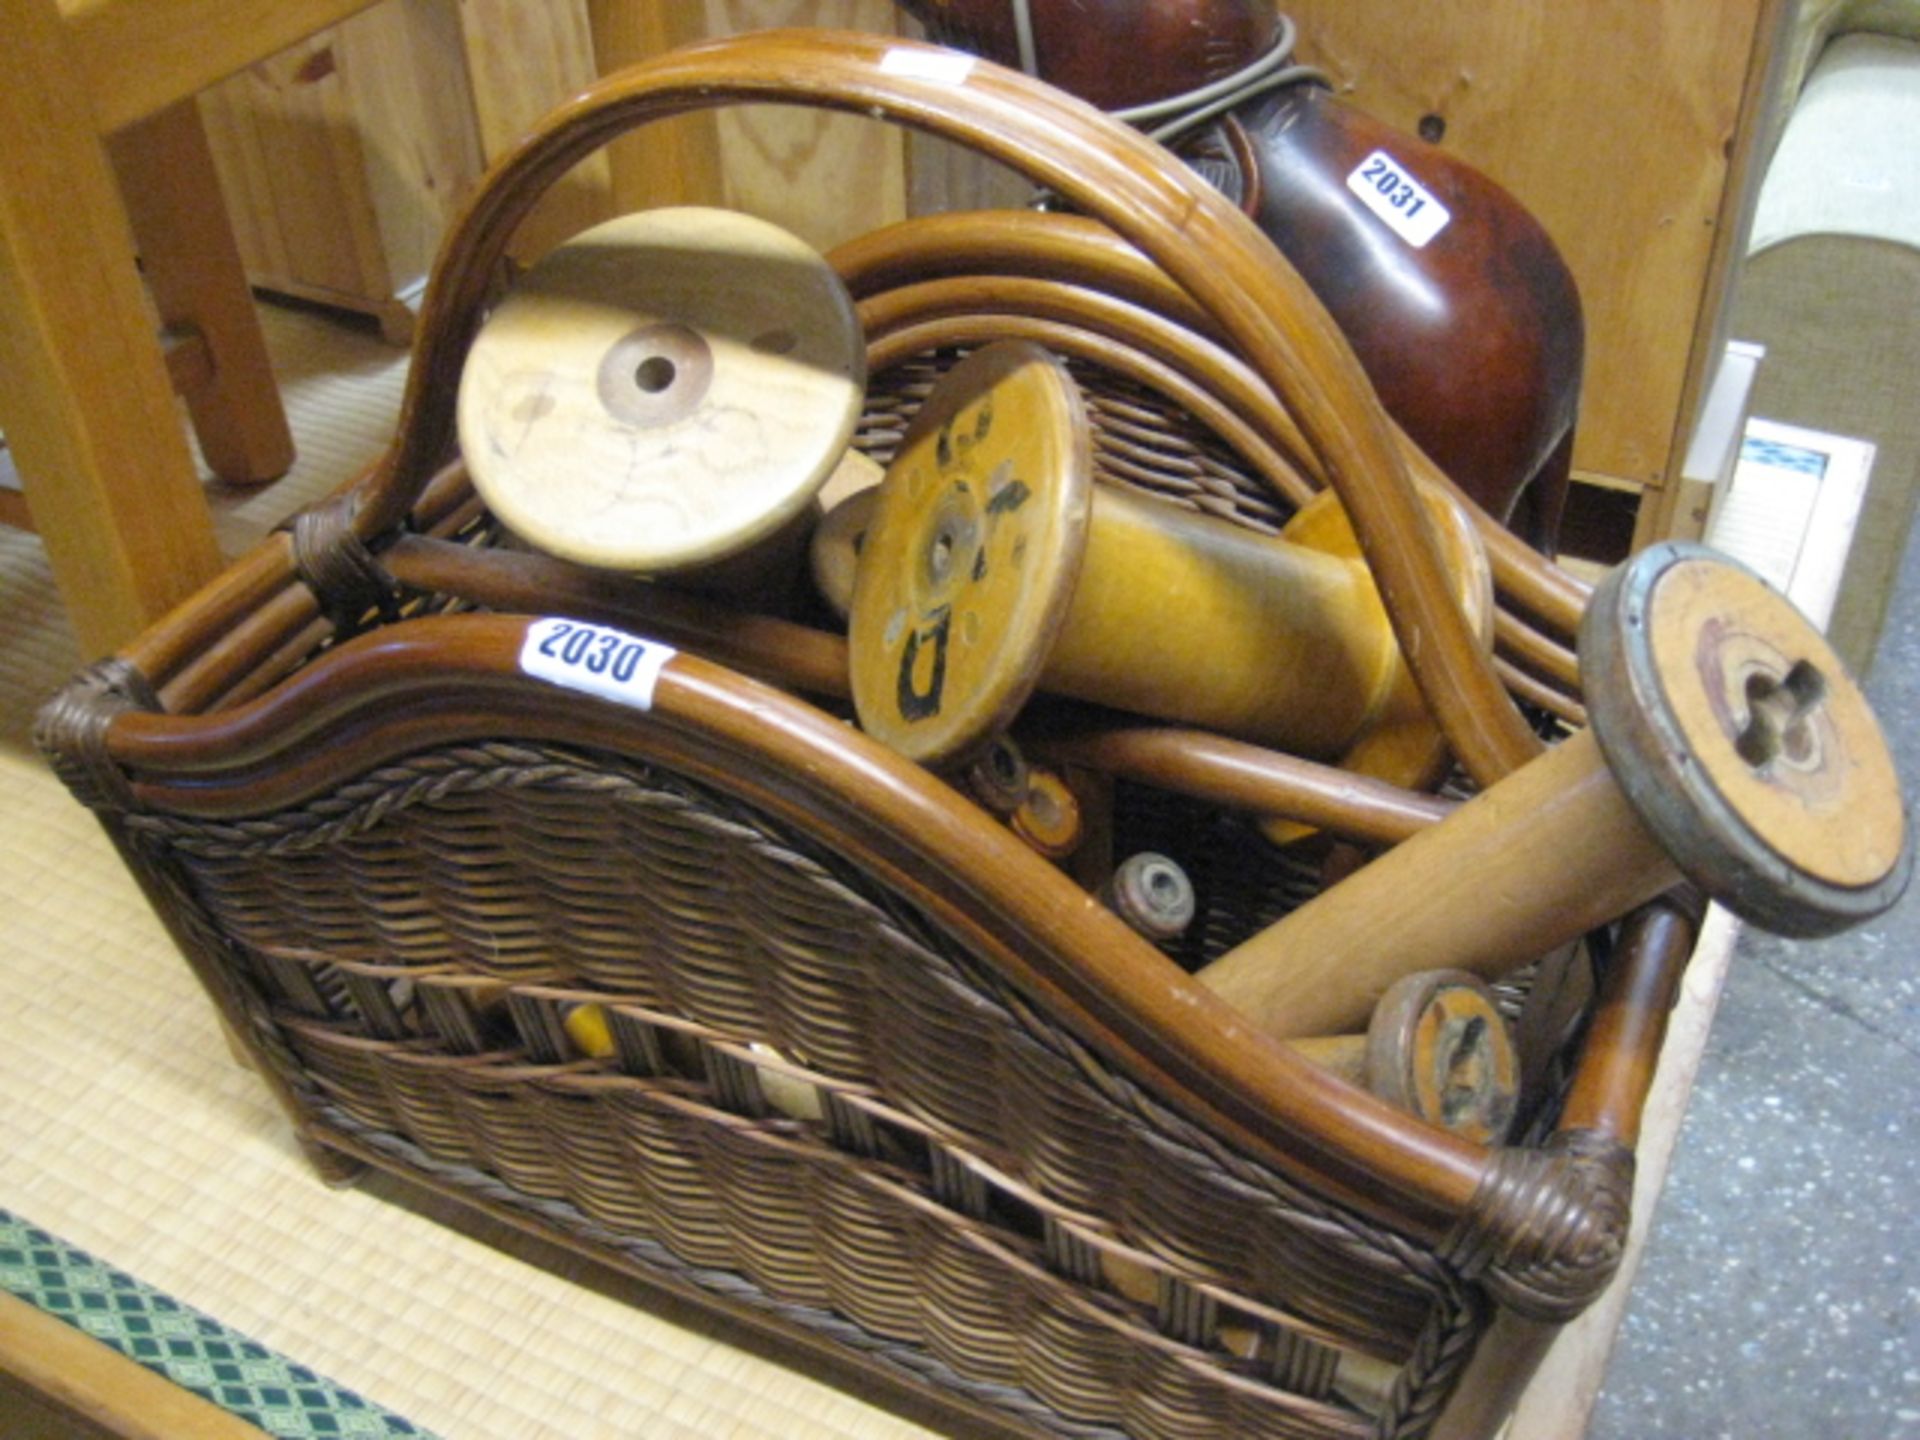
column 1780, row 1292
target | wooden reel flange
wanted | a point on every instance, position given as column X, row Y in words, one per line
column 1438, row 1047
column 1729, row 746
column 993, row 566
column 663, row 391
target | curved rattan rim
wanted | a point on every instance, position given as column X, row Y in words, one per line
column 1193, row 233
column 1079, row 251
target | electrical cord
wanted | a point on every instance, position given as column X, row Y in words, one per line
column 1192, row 108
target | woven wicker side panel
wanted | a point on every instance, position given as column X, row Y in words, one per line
column 951, row 1057
column 996, row 1118
column 814, row 1228
column 1141, row 440
column 535, row 870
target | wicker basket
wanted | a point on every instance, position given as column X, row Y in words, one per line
column 884, row 1079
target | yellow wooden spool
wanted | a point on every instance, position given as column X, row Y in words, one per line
column 992, row 565
column 663, row 391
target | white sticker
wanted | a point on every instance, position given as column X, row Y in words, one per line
column 600, row 660
column 942, row 67
column 1408, row 207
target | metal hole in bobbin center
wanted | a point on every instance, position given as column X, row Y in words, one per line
column 655, row 375
column 949, row 545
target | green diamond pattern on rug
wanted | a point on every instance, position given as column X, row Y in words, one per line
column 179, row 1343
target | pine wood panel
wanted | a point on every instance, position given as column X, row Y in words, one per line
column 138, row 56
column 522, row 60
column 825, row 177
column 676, row 162
column 406, row 70
column 344, row 156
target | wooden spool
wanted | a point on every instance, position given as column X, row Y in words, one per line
column 992, row 565
column 663, row 391
column 1729, row 746
column 1152, row 894
column 1438, row 1047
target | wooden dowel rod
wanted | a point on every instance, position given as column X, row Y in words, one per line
column 1342, row 1055
column 1530, row 863
column 1637, row 992
column 1527, row 688
column 1548, row 660
column 271, row 669
column 264, row 629
column 795, row 656
column 171, row 643
column 1247, row 777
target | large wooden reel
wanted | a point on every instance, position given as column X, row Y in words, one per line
column 993, row 566
column 1214, row 437
column 662, row 392
column 1729, row 747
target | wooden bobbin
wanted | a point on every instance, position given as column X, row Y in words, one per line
column 663, row 391
column 1437, row 1047
column 1729, row 746
column 992, row 566
column 1048, row 817
column 1152, row 894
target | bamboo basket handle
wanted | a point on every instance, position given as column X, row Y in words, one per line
column 1097, row 164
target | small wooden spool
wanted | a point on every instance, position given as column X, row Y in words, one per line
column 1152, row 894
column 992, row 566
column 1437, row 1047
column 663, row 391
column 1729, row 746
column 1048, row 817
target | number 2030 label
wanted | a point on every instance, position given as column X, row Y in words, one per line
column 602, row 661
column 1408, row 207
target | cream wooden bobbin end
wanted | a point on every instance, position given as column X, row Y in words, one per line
column 663, row 390
column 969, row 563
column 833, row 552
column 1745, row 747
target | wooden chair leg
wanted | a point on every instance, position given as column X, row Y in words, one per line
column 87, row 408
column 179, row 219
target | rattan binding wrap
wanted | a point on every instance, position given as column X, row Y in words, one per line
column 856, row 1095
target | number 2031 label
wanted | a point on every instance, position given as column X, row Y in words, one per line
column 602, row 661
column 1408, row 207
